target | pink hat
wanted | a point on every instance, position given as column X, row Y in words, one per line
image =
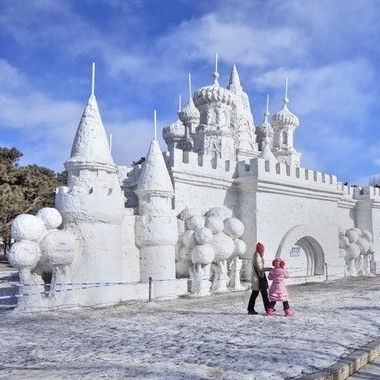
column 260, row 248
column 278, row 263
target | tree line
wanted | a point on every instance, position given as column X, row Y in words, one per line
column 23, row 189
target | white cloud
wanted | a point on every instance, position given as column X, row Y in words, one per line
column 236, row 42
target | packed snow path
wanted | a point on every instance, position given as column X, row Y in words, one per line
column 194, row 338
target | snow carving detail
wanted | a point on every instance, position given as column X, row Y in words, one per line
column 42, row 254
column 209, row 249
column 356, row 247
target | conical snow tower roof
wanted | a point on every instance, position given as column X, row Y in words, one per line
column 234, row 83
column 154, row 177
column 90, row 147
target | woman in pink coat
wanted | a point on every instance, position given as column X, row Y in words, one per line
column 277, row 290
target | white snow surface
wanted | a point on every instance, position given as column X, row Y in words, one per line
column 191, row 338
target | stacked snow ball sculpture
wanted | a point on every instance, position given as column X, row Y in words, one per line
column 58, row 248
column 208, row 242
column 41, row 248
column 51, row 217
column 27, row 227
column 356, row 246
column 24, row 255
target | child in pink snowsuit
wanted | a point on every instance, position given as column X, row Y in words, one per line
column 277, row 290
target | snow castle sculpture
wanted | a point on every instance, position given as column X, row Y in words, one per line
column 188, row 220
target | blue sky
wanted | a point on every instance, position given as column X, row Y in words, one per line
column 144, row 50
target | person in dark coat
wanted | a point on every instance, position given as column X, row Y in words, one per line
column 259, row 280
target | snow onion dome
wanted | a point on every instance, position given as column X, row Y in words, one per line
column 189, row 113
column 214, row 94
column 173, row 132
column 284, row 117
column 264, row 128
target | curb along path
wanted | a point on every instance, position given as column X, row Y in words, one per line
column 348, row 365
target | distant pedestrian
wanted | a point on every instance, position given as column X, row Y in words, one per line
column 277, row 290
column 259, row 279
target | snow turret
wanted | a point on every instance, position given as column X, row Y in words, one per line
column 284, row 123
column 265, row 130
column 190, row 116
column 173, row 134
column 214, row 136
column 92, row 207
column 156, row 227
column 266, row 152
column 189, row 113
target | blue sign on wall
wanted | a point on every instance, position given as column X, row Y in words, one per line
column 295, row 251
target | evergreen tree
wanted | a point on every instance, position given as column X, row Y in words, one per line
column 374, row 181
column 23, row 189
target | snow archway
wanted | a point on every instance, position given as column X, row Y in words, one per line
column 301, row 250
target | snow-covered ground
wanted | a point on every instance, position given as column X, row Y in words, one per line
column 192, row 338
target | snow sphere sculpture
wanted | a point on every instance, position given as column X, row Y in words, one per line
column 51, row 217
column 367, row 235
column 202, row 254
column 240, row 248
column 58, row 247
column 189, row 239
column 203, row 236
column 195, row 222
column 352, row 235
column 342, row 252
column 223, row 245
column 24, row 255
column 233, row 227
column 353, row 251
column 27, row 227
column 343, row 242
column 220, row 212
column 188, row 212
column 363, row 245
column 215, row 224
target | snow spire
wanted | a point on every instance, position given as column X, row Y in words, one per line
column 286, row 90
column 284, row 117
column 266, row 114
column 190, row 91
column 155, row 124
column 215, row 74
column 93, row 79
column 234, row 83
column 189, row 112
column 266, row 152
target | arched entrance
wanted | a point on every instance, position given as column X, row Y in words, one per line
column 302, row 252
